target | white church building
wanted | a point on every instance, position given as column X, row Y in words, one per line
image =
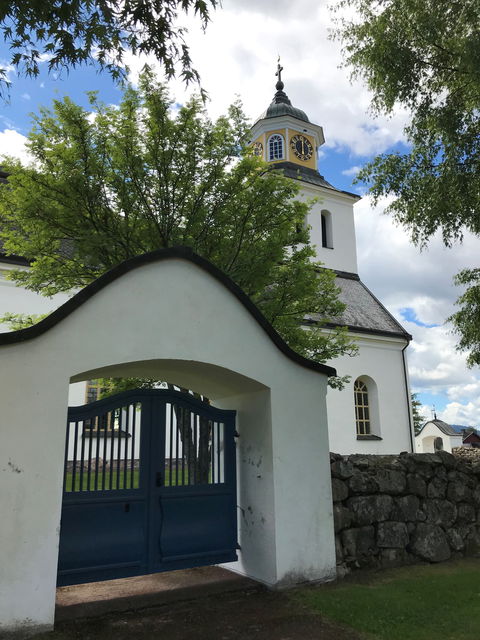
column 372, row 414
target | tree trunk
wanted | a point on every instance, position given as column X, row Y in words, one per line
column 196, row 441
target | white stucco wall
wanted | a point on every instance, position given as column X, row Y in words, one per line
column 424, row 442
column 170, row 328
column 380, row 360
column 15, row 299
column 18, row 300
column 343, row 255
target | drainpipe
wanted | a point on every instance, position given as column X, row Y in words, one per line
column 405, row 375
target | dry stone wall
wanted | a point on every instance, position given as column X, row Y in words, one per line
column 395, row 510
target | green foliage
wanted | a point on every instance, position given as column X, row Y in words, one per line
column 17, row 321
column 466, row 321
column 418, row 417
column 425, row 57
column 80, row 32
column 121, row 181
column 112, row 386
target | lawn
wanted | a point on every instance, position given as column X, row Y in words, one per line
column 422, row 602
column 124, row 481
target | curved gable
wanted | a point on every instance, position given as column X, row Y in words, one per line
column 159, row 255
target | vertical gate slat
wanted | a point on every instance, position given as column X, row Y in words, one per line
column 195, row 443
column 219, row 472
column 112, row 451
column 132, row 463
column 119, row 453
column 105, row 447
column 176, row 455
column 74, row 466
column 212, row 452
column 67, row 447
column 89, row 464
column 184, row 454
column 125, row 456
column 97, row 457
column 82, row 455
column 178, row 417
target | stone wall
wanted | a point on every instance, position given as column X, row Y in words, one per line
column 394, row 510
column 467, row 454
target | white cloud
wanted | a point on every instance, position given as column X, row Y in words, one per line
column 403, row 277
column 238, row 55
column 12, row 143
column 26, row 96
column 352, row 171
column 465, row 414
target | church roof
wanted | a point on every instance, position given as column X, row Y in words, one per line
column 281, row 104
column 445, row 428
column 364, row 313
column 311, row 176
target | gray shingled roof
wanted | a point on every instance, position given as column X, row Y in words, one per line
column 364, row 312
column 311, row 176
column 445, row 428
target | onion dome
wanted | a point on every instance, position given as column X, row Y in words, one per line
column 281, row 105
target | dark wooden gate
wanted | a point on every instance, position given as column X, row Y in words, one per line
column 149, row 486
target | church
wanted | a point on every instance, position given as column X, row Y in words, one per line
column 372, row 414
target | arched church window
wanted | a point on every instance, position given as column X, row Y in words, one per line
column 362, row 408
column 275, row 147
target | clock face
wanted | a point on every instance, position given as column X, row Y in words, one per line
column 302, row 147
column 257, row 148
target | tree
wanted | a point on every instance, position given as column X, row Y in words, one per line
column 426, row 57
column 418, row 417
column 76, row 32
column 120, row 181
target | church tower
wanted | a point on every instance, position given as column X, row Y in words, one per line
column 284, row 137
column 372, row 413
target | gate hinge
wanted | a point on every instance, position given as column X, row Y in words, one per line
column 237, row 546
column 236, row 434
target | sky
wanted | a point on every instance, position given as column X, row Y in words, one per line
column 237, row 56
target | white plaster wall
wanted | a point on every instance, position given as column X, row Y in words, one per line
column 424, row 442
column 15, row 299
column 171, row 326
column 381, row 360
column 343, row 256
column 19, row 300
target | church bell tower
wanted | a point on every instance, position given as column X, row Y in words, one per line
column 284, row 137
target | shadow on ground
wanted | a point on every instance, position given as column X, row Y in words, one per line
column 251, row 614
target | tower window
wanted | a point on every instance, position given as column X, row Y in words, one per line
column 324, row 231
column 362, row 409
column 275, row 147
column 326, row 218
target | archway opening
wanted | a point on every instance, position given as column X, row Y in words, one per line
column 111, row 486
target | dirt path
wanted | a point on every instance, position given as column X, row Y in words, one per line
column 245, row 615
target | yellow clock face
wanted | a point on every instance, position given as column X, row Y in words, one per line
column 257, row 148
column 301, row 147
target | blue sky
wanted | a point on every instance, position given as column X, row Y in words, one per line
column 237, row 56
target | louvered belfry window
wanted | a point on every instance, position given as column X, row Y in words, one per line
column 362, row 409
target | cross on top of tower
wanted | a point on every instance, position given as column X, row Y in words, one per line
column 279, row 86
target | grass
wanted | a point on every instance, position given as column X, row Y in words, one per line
column 109, row 476
column 170, row 480
column 412, row 603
